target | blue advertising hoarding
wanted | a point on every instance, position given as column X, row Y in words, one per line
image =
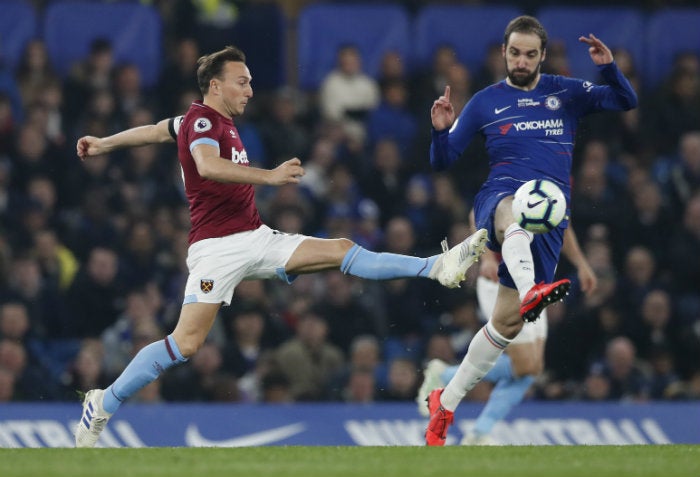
column 240, row 425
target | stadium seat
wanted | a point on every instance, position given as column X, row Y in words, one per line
column 134, row 31
column 670, row 32
column 18, row 25
column 618, row 27
column 373, row 28
column 261, row 33
column 470, row 30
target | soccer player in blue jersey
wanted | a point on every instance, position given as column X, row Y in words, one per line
column 517, row 368
column 529, row 121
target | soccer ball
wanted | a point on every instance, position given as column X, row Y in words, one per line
column 539, row 206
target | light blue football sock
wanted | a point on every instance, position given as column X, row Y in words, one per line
column 501, row 370
column 145, row 368
column 507, row 394
column 449, row 373
column 384, row 266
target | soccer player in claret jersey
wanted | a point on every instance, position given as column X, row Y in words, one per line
column 529, row 121
column 228, row 241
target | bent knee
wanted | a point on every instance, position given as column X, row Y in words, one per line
column 524, row 367
column 187, row 344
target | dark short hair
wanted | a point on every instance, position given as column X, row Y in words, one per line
column 526, row 24
column 211, row 66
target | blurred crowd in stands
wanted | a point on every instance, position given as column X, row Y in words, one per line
column 92, row 254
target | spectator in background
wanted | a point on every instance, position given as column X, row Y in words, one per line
column 675, row 108
column 281, row 132
column 34, row 72
column 118, row 339
column 628, row 380
column 201, row 379
column 177, row 76
column 680, row 176
column 640, row 276
column 392, row 119
column 8, row 88
column 94, row 298
column 45, row 305
column 385, row 179
column 33, row 155
column 8, row 126
column 402, row 381
column 344, row 313
column 431, row 80
column 85, row 371
column 32, row 382
column 347, row 93
column 309, row 361
column 492, row 71
column 247, row 340
column 460, row 80
column 684, row 261
column 557, row 61
column 7, row 386
column 88, row 77
column 650, row 222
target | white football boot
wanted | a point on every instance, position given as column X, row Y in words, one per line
column 93, row 420
column 432, row 379
column 471, row 439
column 451, row 266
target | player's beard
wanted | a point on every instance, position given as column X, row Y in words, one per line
column 523, row 81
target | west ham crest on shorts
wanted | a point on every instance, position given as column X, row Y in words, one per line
column 206, row 285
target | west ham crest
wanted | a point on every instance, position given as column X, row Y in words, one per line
column 206, row 285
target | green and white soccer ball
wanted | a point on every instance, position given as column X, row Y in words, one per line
column 539, row 206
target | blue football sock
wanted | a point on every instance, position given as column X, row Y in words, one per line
column 505, row 396
column 501, row 370
column 449, row 373
column 145, row 368
column 384, row 266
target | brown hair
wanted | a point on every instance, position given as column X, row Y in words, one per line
column 211, row 66
column 526, row 24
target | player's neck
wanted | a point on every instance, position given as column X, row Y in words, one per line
column 216, row 106
column 528, row 87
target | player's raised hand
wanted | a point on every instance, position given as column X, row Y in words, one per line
column 88, row 146
column 442, row 114
column 288, row 172
column 600, row 54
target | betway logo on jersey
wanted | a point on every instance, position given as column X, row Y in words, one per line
column 552, row 127
column 239, row 157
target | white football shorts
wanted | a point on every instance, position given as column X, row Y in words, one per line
column 217, row 265
column 486, row 293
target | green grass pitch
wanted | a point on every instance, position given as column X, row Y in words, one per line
column 554, row 461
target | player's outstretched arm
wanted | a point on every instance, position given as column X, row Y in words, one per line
column 213, row 167
column 89, row 146
column 572, row 251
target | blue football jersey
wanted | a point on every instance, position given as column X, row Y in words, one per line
column 530, row 134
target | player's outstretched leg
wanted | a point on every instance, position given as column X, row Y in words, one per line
column 440, row 420
column 507, row 394
column 432, row 379
column 451, row 267
column 542, row 295
column 93, row 420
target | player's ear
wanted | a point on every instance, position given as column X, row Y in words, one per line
column 544, row 55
